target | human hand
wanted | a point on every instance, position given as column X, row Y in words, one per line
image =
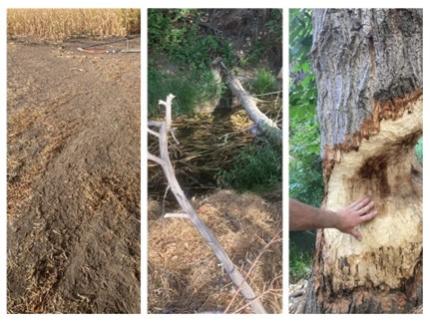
column 353, row 215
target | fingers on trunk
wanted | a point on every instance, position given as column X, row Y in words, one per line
column 369, row 216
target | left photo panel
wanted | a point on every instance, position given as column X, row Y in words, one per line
column 73, row 160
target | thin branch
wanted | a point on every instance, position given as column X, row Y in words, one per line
column 176, row 215
column 174, row 137
column 164, row 159
column 163, row 204
column 155, row 123
column 155, row 159
column 152, row 132
column 274, row 240
column 269, row 93
column 168, row 105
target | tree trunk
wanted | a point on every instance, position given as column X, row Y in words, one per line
column 368, row 66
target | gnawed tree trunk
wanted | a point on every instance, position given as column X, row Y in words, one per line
column 368, row 66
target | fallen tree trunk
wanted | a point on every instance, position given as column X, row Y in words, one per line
column 368, row 65
column 164, row 128
column 264, row 124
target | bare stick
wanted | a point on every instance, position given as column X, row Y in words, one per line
column 263, row 123
column 236, row 277
column 176, row 215
column 152, row 132
column 272, row 241
column 155, row 159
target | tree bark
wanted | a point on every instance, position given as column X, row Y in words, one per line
column 368, row 65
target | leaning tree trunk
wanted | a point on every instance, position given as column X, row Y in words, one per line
column 368, row 66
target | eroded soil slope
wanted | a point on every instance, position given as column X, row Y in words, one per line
column 73, row 180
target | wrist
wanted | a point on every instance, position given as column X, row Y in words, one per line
column 335, row 220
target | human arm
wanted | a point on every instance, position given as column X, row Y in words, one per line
column 304, row 217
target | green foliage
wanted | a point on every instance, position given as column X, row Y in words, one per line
column 175, row 33
column 190, row 88
column 306, row 182
column 419, row 150
column 255, row 168
column 300, row 263
column 264, row 82
column 176, row 36
column 267, row 42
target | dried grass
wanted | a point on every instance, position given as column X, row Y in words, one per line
column 61, row 24
column 184, row 275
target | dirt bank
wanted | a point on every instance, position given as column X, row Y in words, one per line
column 73, row 180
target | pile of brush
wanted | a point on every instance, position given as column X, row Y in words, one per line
column 207, row 144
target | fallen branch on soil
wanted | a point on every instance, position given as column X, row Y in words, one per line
column 275, row 239
column 164, row 128
column 264, row 124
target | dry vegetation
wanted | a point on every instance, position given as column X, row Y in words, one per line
column 62, row 24
column 185, row 277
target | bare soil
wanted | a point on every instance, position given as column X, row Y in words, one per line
column 73, row 180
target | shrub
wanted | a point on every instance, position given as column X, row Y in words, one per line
column 264, row 82
column 255, row 168
column 300, row 262
column 190, row 88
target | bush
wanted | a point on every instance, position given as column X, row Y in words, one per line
column 174, row 34
column 264, row 82
column 300, row 262
column 256, row 168
column 190, row 88
column 306, row 181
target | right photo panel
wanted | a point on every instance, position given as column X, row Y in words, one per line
column 355, row 160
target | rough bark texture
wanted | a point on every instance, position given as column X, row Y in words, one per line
column 368, row 65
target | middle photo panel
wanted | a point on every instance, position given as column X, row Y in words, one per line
column 215, row 161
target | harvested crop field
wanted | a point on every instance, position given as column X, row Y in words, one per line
column 73, row 179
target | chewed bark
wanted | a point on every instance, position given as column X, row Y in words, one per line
column 371, row 120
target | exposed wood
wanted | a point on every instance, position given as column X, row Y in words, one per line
column 368, row 65
column 264, row 124
column 164, row 128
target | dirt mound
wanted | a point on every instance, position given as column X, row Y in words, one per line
column 73, row 181
column 184, row 275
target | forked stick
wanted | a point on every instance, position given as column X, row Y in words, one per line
column 164, row 161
